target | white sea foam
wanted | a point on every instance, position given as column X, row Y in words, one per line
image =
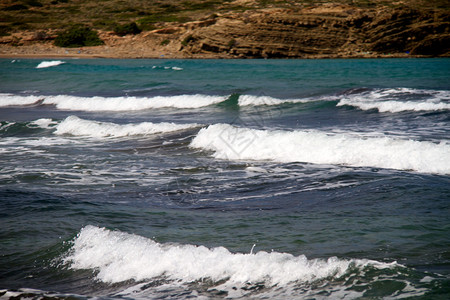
column 15, row 100
column 47, row 64
column 249, row 100
column 44, row 123
column 6, row 125
column 119, row 256
column 66, row 102
column 167, row 68
column 395, row 106
column 398, row 100
column 131, row 103
column 234, row 143
column 73, row 125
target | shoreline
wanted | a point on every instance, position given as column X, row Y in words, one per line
column 141, row 47
column 102, row 55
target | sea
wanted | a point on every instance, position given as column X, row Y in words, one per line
column 225, row 179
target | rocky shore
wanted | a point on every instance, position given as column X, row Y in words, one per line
column 320, row 31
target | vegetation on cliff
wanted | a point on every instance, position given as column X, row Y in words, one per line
column 124, row 29
column 241, row 28
column 78, row 35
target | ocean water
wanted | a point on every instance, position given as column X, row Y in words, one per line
column 225, row 179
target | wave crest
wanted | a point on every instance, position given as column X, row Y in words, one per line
column 119, row 256
column 73, row 125
column 47, row 64
column 249, row 100
column 234, row 143
column 15, row 100
column 398, row 100
column 66, row 102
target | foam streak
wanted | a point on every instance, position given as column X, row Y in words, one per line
column 393, row 100
column 73, row 125
column 66, row 102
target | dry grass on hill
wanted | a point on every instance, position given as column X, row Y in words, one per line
column 19, row 15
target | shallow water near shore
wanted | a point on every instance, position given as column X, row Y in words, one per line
column 177, row 179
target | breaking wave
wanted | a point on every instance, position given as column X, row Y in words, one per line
column 66, row 102
column 25, row 128
column 73, row 125
column 116, row 257
column 234, row 143
column 14, row 100
column 131, row 103
column 398, row 100
column 47, row 64
column 383, row 100
column 249, row 100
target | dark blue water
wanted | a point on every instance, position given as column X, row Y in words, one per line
column 176, row 179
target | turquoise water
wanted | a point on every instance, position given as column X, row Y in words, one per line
column 176, row 179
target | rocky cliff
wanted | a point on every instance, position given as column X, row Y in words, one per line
column 322, row 31
column 326, row 30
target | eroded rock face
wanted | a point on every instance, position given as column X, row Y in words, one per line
column 321, row 32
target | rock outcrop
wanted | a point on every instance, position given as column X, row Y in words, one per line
column 328, row 30
column 324, row 31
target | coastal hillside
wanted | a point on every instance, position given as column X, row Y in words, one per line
column 228, row 29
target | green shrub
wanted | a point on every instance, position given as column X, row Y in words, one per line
column 78, row 36
column 125, row 29
column 187, row 39
column 16, row 7
column 200, row 5
column 4, row 30
column 231, row 43
column 169, row 8
column 34, row 3
column 106, row 24
column 165, row 42
column 21, row 25
column 148, row 27
column 41, row 36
